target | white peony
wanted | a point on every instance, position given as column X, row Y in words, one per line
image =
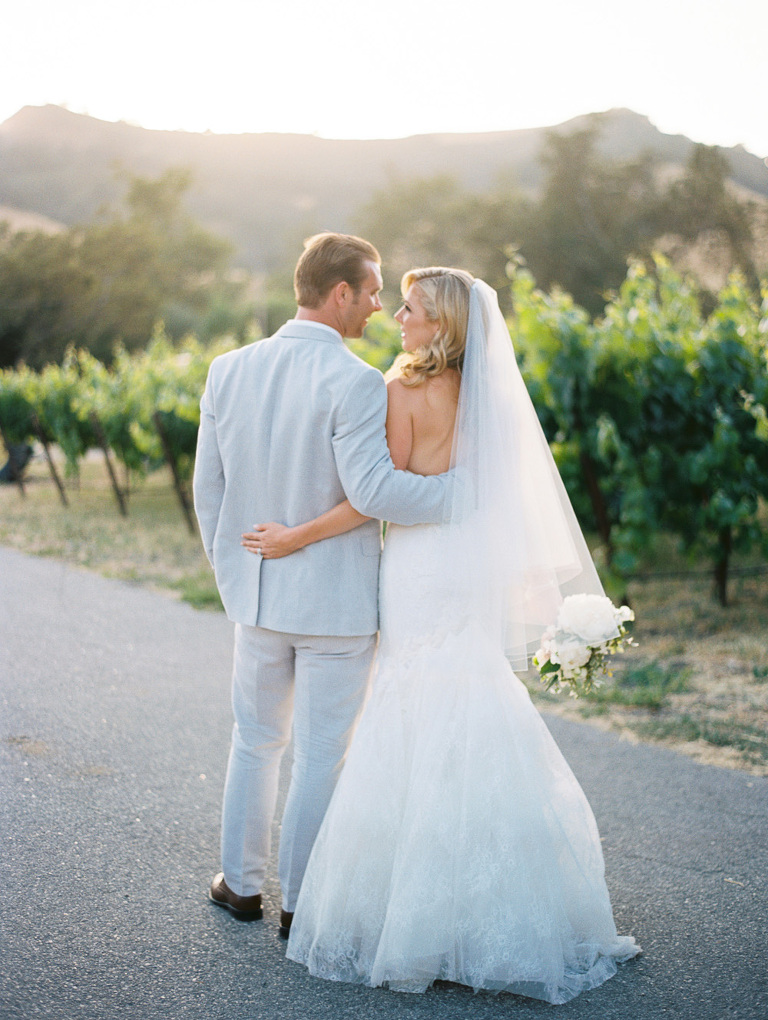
column 547, row 639
column 571, row 654
column 590, row 617
column 624, row 613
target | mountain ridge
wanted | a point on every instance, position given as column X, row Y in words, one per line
column 267, row 191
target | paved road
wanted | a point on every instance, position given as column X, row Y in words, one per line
column 113, row 738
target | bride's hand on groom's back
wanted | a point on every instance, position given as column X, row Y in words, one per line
column 271, row 541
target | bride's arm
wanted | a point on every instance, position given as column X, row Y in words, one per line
column 274, row 540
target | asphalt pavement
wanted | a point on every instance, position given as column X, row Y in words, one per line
column 114, row 730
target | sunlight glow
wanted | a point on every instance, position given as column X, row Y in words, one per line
column 351, row 70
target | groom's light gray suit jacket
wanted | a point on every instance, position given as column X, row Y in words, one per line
column 289, row 427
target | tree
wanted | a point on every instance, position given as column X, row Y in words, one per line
column 44, row 288
column 113, row 279
column 592, row 216
column 728, row 470
column 643, row 401
column 553, row 340
column 433, row 221
column 149, row 260
column 688, row 398
column 701, row 204
column 658, row 416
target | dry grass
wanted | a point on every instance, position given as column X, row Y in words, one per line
column 713, row 703
column 698, row 681
column 152, row 545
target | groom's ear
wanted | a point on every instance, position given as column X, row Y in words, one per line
column 342, row 293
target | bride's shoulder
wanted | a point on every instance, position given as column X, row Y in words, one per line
column 398, row 389
column 438, row 389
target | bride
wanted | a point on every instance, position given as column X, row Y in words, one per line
column 458, row 844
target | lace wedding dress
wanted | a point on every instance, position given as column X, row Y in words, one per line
column 458, row 845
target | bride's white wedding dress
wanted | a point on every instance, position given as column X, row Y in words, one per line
column 458, row 845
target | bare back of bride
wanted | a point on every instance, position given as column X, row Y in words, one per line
column 458, row 845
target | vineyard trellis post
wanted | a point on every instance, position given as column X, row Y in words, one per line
column 102, row 439
column 15, row 468
column 177, row 483
column 51, row 466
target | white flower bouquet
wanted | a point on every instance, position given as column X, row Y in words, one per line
column 574, row 652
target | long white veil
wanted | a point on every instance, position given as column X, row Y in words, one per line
column 518, row 544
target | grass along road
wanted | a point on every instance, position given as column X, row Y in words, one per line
column 152, row 545
column 698, row 682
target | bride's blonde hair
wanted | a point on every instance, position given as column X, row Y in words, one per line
column 444, row 295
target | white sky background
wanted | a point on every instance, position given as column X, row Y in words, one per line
column 361, row 69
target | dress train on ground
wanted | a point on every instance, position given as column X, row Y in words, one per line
column 458, row 845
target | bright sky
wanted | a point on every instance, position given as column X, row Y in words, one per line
column 358, row 69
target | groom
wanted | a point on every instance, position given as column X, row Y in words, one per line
column 289, row 427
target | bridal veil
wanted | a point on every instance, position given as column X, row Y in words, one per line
column 517, row 540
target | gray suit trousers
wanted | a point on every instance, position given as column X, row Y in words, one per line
column 322, row 682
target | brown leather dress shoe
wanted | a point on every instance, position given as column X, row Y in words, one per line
column 244, row 908
column 286, row 920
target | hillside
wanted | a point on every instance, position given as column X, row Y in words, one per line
column 22, row 220
column 266, row 191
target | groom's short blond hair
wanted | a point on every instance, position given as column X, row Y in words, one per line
column 329, row 259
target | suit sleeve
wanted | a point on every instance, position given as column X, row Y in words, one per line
column 366, row 471
column 208, row 481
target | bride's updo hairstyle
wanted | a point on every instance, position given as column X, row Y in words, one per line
column 444, row 295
